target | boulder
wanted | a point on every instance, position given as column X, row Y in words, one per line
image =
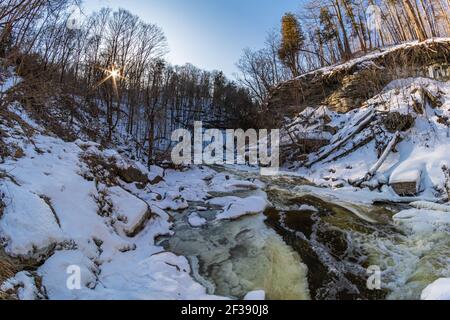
column 408, row 188
column 132, row 213
column 406, row 181
column 132, row 174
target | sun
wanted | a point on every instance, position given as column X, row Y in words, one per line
column 114, row 73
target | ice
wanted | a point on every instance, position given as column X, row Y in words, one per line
column 306, row 207
column 238, row 207
column 423, row 221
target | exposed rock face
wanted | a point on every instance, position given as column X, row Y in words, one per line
column 108, row 169
column 347, row 86
column 406, row 188
column 132, row 174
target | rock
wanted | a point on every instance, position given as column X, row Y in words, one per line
column 19, row 153
column 406, row 181
column 131, row 212
column 132, row 174
column 312, row 145
column 345, row 87
column 156, row 175
column 410, row 188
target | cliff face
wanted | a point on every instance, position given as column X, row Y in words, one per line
column 345, row 87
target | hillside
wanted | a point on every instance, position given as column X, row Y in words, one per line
column 73, row 206
column 395, row 136
column 347, row 86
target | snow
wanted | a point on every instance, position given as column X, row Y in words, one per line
column 258, row 295
column 55, row 274
column 10, row 82
column 225, row 182
column 156, row 173
column 404, row 173
column 430, row 206
column 28, row 224
column 438, row 290
column 173, row 200
column 112, row 265
column 195, row 220
column 306, row 207
column 131, row 212
column 238, row 207
column 23, row 285
column 423, row 221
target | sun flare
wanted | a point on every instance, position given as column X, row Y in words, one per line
column 114, row 73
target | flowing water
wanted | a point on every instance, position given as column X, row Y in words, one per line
column 308, row 247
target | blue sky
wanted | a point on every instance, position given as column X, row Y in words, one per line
column 210, row 34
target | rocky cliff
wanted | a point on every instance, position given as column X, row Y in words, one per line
column 345, row 87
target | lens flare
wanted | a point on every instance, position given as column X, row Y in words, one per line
column 114, row 73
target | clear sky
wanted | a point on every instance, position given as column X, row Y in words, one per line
column 210, row 34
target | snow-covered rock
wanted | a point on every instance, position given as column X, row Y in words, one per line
column 423, row 221
column 238, row 207
column 28, row 225
column 23, row 285
column 156, row 174
column 111, row 265
column 195, row 220
column 438, row 290
column 131, row 212
column 226, row 183
column 56, row 275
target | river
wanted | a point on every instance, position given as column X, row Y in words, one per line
column 306, row 246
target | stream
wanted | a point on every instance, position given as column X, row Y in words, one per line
column 307, row 246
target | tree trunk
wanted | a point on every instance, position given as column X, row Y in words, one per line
column 414, row 20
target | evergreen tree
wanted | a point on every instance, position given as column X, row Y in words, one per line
column 291, row 43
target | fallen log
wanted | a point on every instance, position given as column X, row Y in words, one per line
column 369, row 175
column 360, row 126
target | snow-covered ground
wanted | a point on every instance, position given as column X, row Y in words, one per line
column 69, row 215
column 420, row 156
